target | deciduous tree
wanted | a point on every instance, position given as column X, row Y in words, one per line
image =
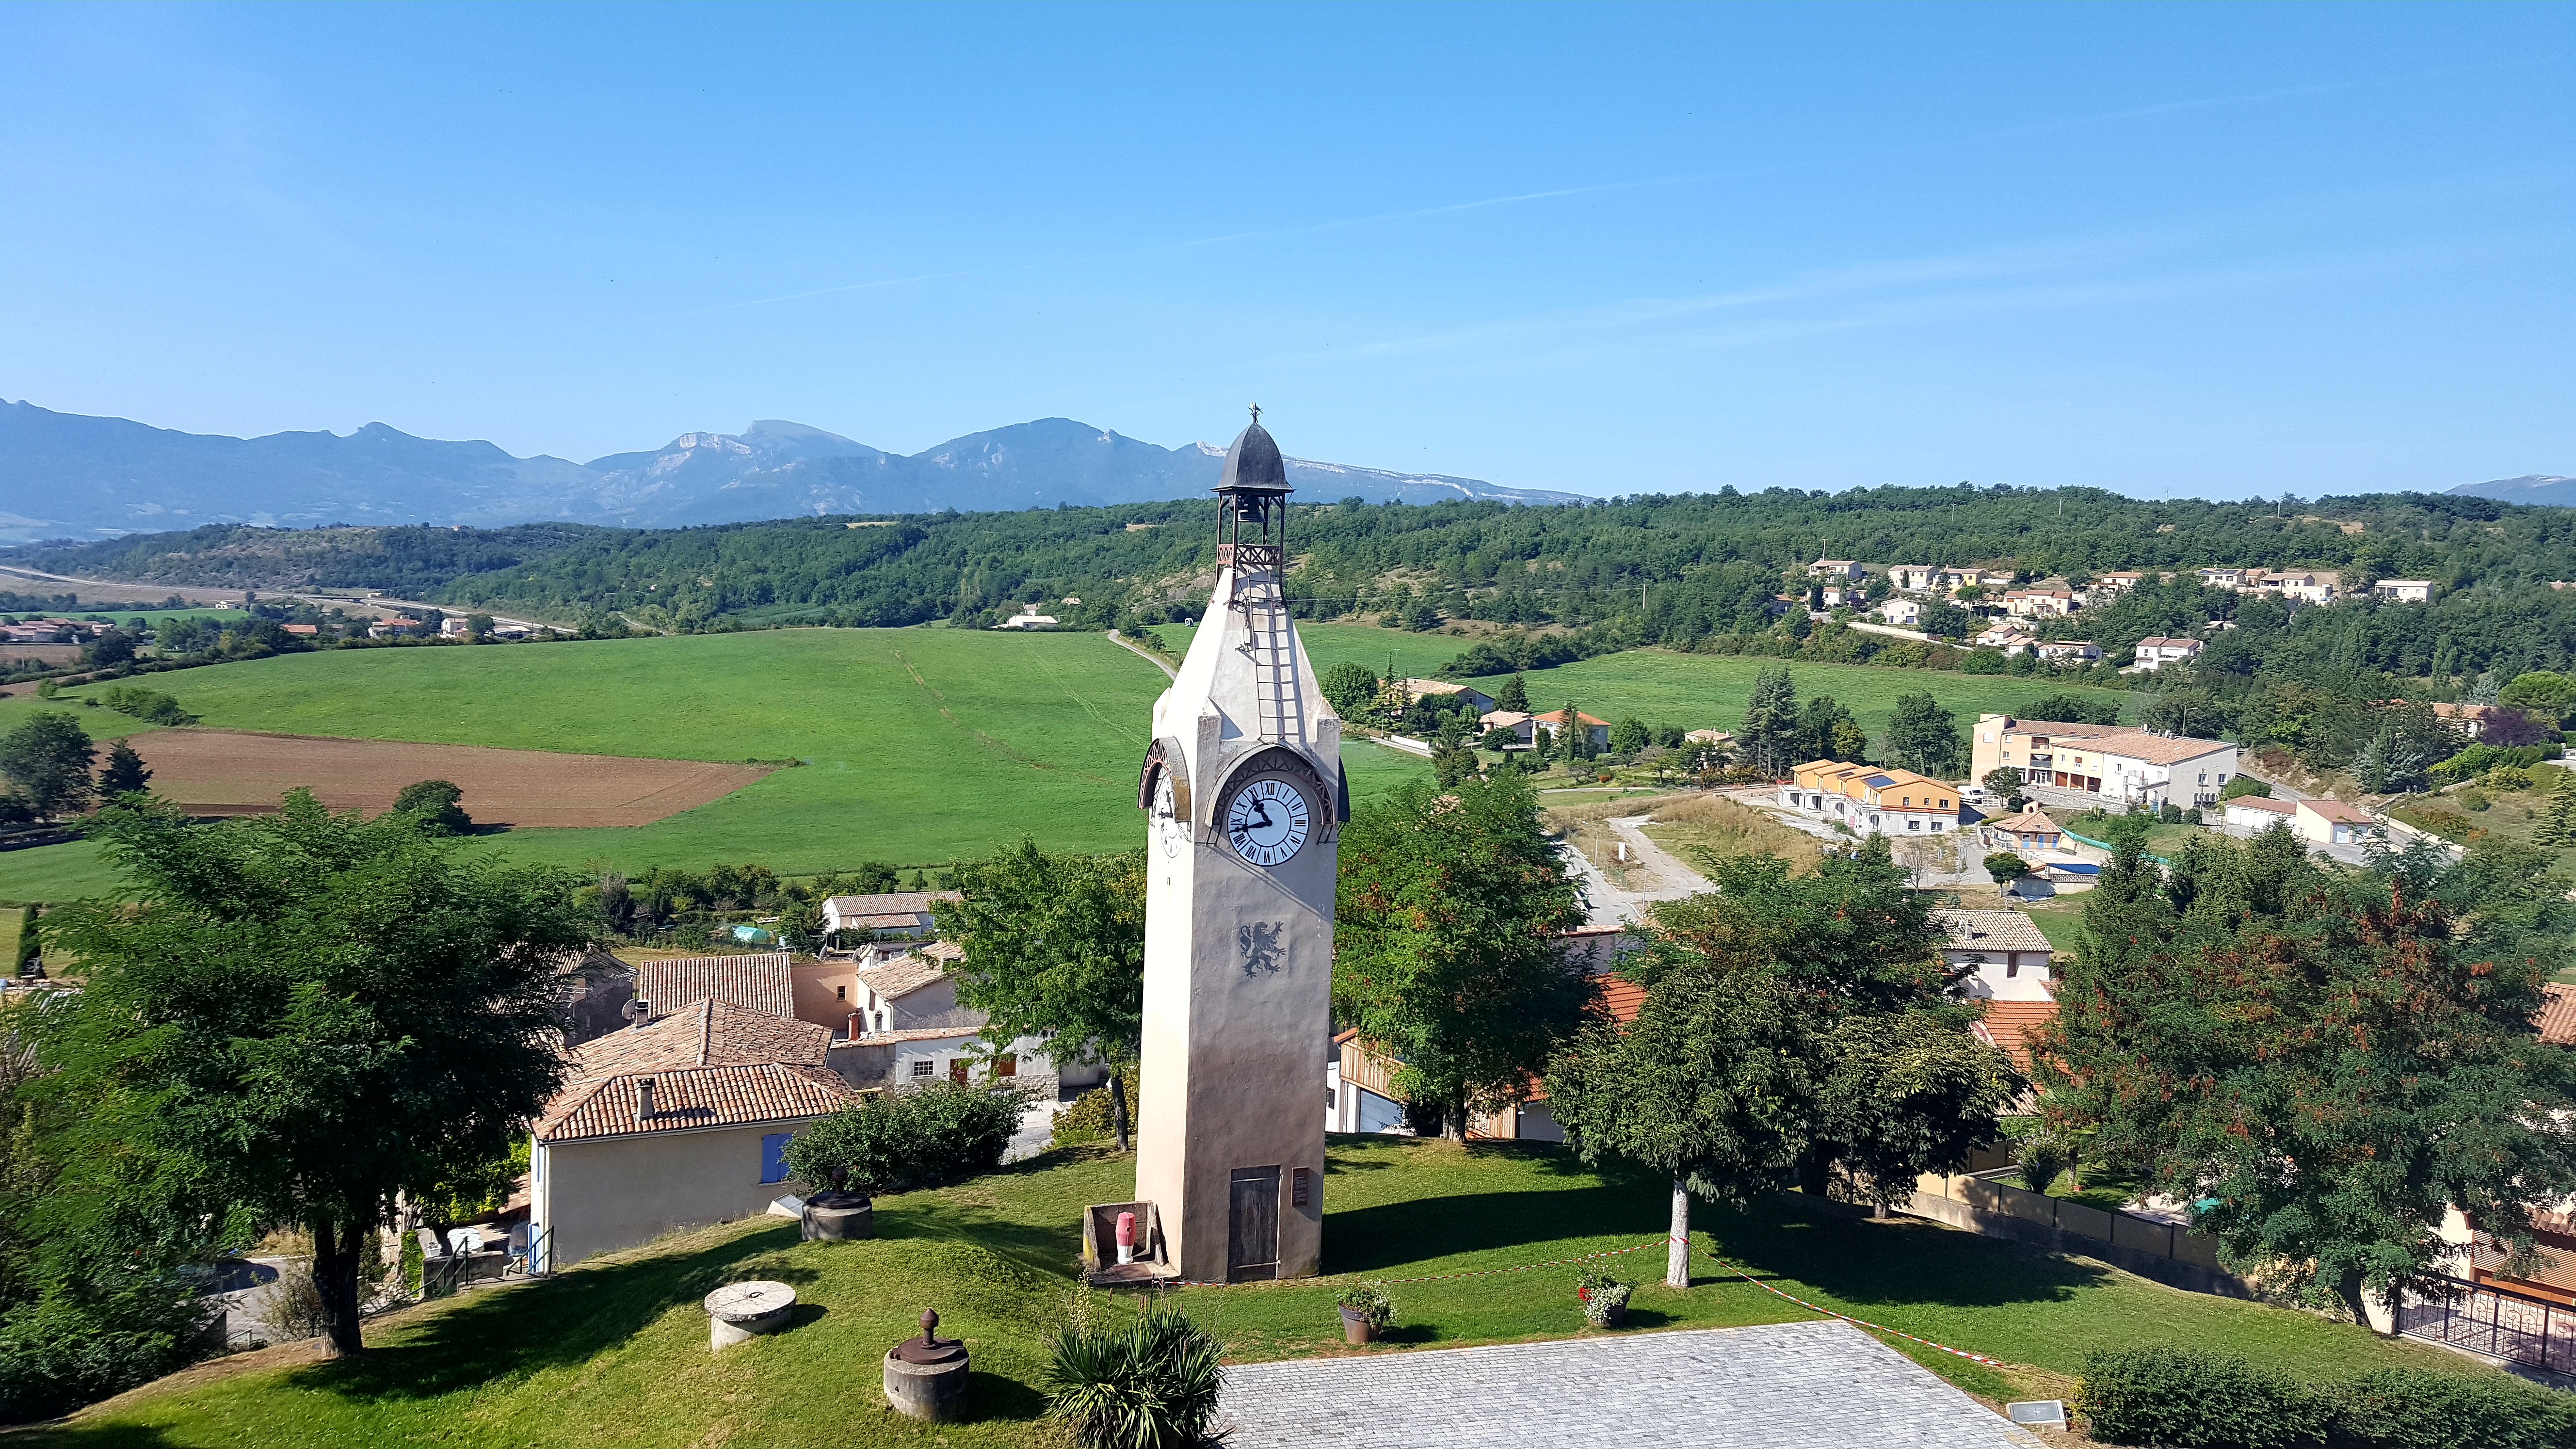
column 303, row 1016
column 1924, row 737
column 47, row 762
column 1055, row 947
column 432, row 806
column 1445, row 953
column 2327, row 1061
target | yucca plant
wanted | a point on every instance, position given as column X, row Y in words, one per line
column 1149, row 1385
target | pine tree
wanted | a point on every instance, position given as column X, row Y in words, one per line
column 1514, row 695
column 2558, row 817
column 124, row 773
column 1769, row 733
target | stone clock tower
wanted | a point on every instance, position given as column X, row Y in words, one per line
column 1244, row 792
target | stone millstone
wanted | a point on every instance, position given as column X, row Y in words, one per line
column 738, row 1311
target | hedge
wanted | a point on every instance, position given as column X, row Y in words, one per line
column 2181, row 1398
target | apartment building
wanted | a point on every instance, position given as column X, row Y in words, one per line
column 1870, row 800
column 2119, row 764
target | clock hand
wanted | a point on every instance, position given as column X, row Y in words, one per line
column 1265, row 822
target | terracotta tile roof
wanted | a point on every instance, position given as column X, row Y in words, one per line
column 708, row 1032
column 2157, row 749
column 760, row 982
column 2031, row 821
column 2336, row 810
column 1621, row 997
column 728, row 1096
column 944, row 951
column 2557, row 1018
column 901, row 976
column 892, row 903
column 898, row 922
column 2008, row 1025
column 1990, row 931
column 919, row 1033
column 2264, row 802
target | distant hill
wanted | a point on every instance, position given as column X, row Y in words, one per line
column 64, row 475
column 2550, row 489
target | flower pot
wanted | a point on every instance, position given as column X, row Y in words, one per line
column 1356, row 1329
column 1608, row 1315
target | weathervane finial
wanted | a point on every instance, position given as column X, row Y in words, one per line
column 1256, row 412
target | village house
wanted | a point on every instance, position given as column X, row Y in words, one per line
column 1834, row 596
column 2470, row 720
column 674, row 1123
column 1523, row 726
column 2118, row 583
column 1915, row 578
column 904, row 1028
column 1028, row 618
column 2010, row 638
column 1554, row 722
column 1904, row 613
column 893, row 915
column 2070, row 651
column 389, row 628
column 1442, row 688
column 2404, row 591
column 2041, row 601
column 2008, row 954
column 2029, row 833
column 2332, row 822
column 2312, row 586
column 2118, row 764
column 2257, row 813
column 2158, row 650
column 1870, row 800
column 2233, row 579
column 1840, row 570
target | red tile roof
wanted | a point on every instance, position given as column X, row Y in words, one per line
column 709, row 1032
column 732, row 1096
column 2336, row 810
column 2008, row 1024
column 760, row 982
column 902, row 976
column 892, row 903
column 2557, row 1018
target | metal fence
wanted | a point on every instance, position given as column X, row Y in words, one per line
column 2496, row 1321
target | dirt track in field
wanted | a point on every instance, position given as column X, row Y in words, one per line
column 231, row 772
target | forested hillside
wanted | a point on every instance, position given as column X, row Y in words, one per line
column 1696, row 571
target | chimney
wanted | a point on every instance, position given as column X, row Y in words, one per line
column 644, row 1099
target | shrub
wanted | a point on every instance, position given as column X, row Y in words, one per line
column 78, row 1342
column 2407, row 1408
column 916, row 1138
column 1368, row 1303
column 1087, row 1120
column 2244, row 785
column 145, row 704
column 435, row 803
column 2188, row 1399
column 2509, row 777
column 2041, row 1156
column 1151, row 1385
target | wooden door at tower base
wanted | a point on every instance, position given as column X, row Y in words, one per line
column 1252, row 1225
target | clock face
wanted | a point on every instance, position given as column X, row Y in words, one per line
column 1267, row 821
column 1167, row 829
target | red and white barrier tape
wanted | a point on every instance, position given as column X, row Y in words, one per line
column 1445, row 1277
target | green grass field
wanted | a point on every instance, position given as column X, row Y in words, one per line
column 1695, row 691
column 916, row 746
column 615, row 1352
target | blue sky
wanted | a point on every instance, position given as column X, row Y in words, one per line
column 2217, row 250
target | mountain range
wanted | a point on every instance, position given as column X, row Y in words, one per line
column 63, row 475
column 2555, row 490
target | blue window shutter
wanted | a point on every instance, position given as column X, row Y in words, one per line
column 773, row 1156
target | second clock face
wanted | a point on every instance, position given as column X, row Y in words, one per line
column 1267, row 821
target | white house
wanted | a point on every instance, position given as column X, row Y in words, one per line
column 2118, row 583
column 2404, row 591
column 1915, row 578
column 2119, row 764
column 1841, row 570
column 2008, row 953
column 2157, row 650
column 890, row 915
column 2332, row 822
column 2070, row 651
column 1027, row 618
column 1430, row 688
column 2223, row 578
column 674, row 1123
column 2256, row 813
column 2008, row 637
column 2041, row 601
column 1904, row 613
column 2314, row 586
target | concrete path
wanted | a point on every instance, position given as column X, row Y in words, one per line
column 1141, row 652
column 1613, row 904
column 1785, row 1384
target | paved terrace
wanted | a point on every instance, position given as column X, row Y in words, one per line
column 1807, row 1385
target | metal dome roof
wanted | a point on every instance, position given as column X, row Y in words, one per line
column 1254, row 461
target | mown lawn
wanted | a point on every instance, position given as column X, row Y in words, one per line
column 614, row 1352
column 1695, row 691
column 915, row 746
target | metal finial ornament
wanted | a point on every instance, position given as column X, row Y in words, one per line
column 1256, row 412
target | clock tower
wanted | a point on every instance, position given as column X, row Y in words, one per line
column 1244, row 796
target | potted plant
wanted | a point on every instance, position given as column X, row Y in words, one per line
column 1604, row 1299
column 1366, row 1311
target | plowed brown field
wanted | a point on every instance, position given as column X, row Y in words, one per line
column 228, row 772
